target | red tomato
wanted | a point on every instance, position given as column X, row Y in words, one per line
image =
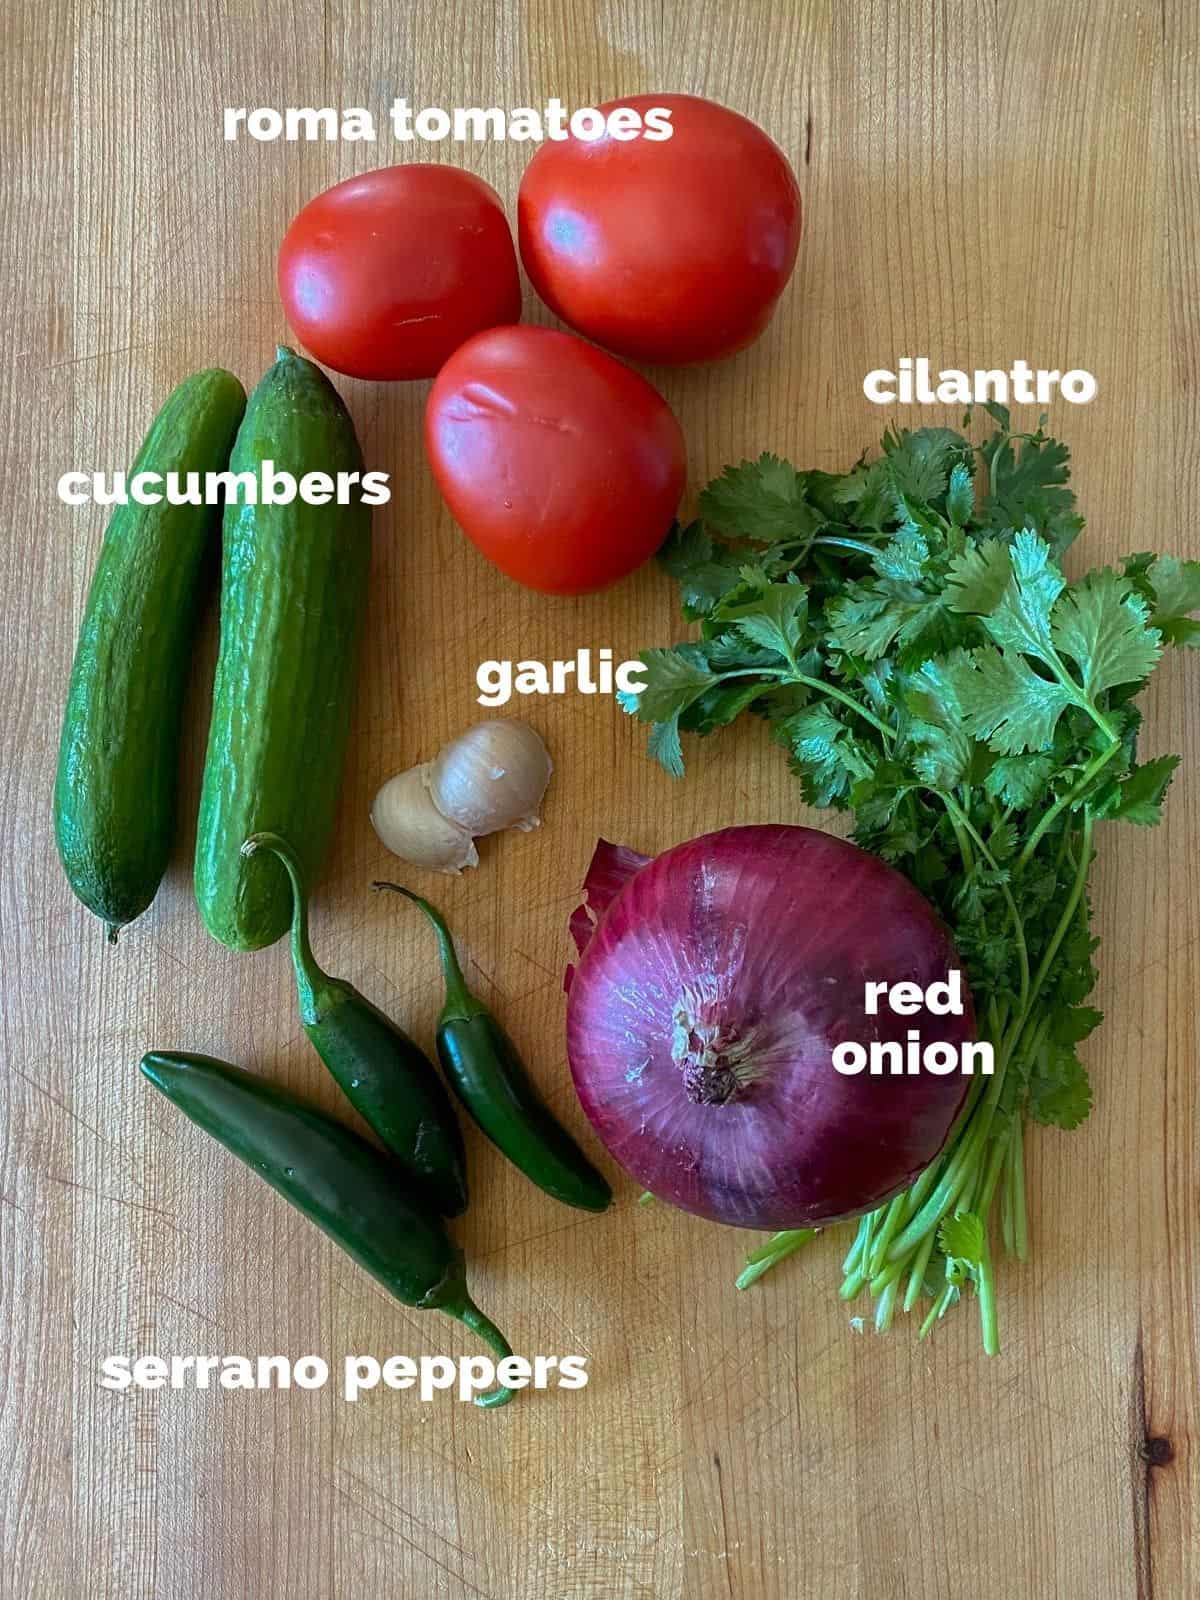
column 561, row 465
column 665, row 251
column 384, row 275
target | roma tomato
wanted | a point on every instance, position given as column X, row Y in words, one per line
column 384, row 275
column 666, row 251
column 561, row 465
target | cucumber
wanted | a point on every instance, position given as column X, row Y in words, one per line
column 118, row 761
column 293, row 588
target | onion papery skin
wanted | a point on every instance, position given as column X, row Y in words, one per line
column 705, row 1008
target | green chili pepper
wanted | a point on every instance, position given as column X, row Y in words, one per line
column 489, row 1077
column 346, row 1186
column 388, row 1080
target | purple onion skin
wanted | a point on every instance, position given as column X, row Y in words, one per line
column 703, row 1015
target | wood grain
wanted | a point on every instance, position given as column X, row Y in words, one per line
column 981, row 183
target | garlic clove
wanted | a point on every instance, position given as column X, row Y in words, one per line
column 411, row 826
column 493, row 776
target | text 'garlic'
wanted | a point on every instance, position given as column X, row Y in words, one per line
column 493, row 776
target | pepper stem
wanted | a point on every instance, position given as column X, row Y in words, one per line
column 470, row 1314
column 309, row 976
column 460, row 1002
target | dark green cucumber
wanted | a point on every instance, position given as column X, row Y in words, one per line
column 118, row 761
column 293, row 588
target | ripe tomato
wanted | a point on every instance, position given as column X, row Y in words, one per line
column 561, row 465
column 384, row 275
column 665, row 251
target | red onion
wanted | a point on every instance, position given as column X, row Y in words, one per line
column 713, row 985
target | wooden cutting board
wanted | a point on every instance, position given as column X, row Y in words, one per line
column 982, row 183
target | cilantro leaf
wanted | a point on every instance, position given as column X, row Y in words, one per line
column 919, row 463
column 1104, row 627
column 777, row 623
column 664, row 746
column 674, row 678
column 869, row 618
column 1021, row 618
column 687, row 545
column 824, row 754
column 763, row 500
column 733, row 651
column 938, row 732
column 1005, row 703
column 722, row 704
column 1070, row 1024
column 1037, row 464
column 978, row 577
column 1028, row 487
column 1175, row 586
column 703, row 574
column 863, row 622
column 961, row 1238
column 904, row 558
column 1140, row 796
column 1060, row 1094
column 1019, row 780
column 872, row 494
column 1002, row 842
column 960, row 497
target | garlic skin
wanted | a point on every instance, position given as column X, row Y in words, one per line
column 493, row 776
column 411, row 826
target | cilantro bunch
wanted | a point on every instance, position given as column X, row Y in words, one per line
column 907, row 633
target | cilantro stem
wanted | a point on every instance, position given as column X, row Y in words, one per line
column 918, row 1193
column 836, row 540
column 961, row 1166
column 899, row 1239
column 853, row 1285
column 1080, row 696
column 937, row 1310
column 779, row 1244
column 1017, row 1171
column 886, row 1277
column 856, row 1249
column 961, row 838
column 777, row 1248
column 857, row 1272
column 986, row 1286
column 1068, row 914
column 1007, row 1234
column 1095, row 766
column 992, row 1171
column 885, row 1307
column 959, row 815
column 915, row 1193
column 1028, row 1054
column 790, row 675
column 892, row 1219
column 955, row 1174
column 920, row 1265
column 906, row 1204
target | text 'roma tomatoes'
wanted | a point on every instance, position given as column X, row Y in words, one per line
column 384, row 275
column 671, row 251
column 561, row 465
